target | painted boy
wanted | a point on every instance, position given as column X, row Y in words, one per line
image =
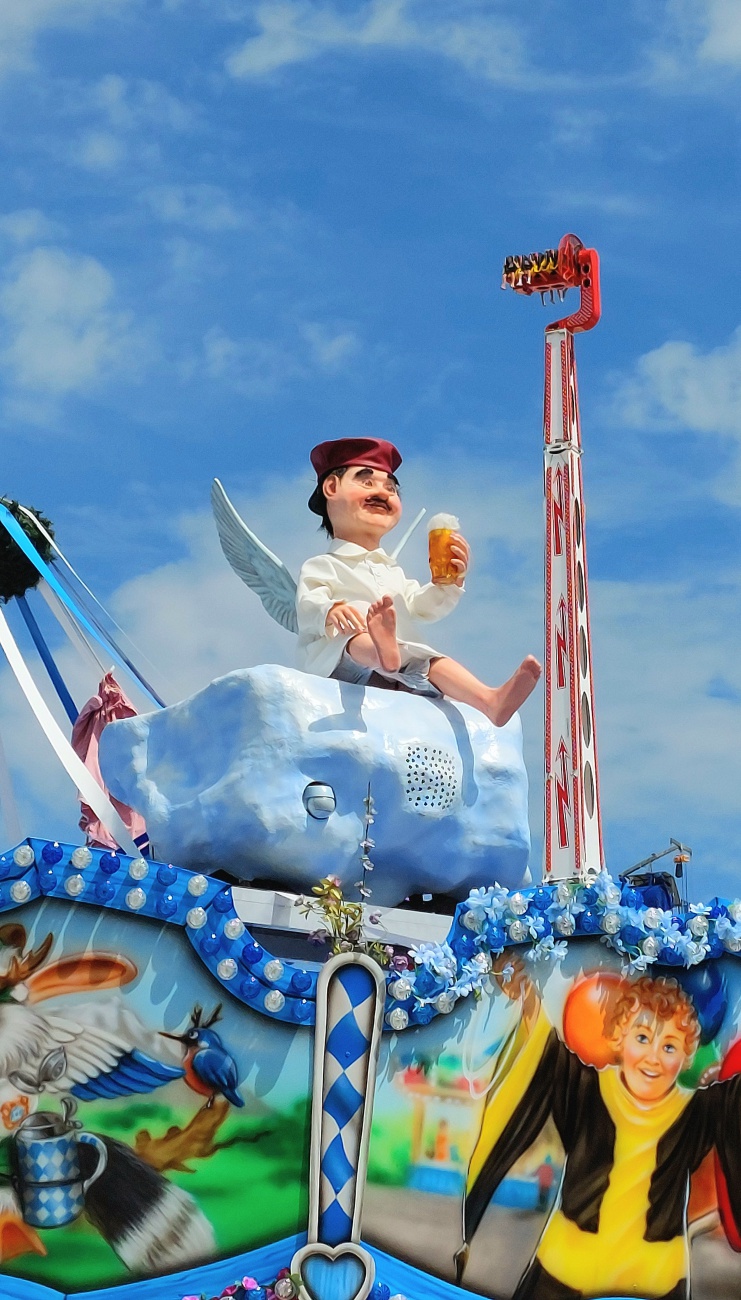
column 357, row 610
column 632, row 1136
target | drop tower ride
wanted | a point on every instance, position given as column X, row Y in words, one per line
column 573, row 828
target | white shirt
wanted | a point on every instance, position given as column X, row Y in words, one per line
column 350, row 572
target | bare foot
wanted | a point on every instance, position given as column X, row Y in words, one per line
column 506, row 700
column 381, row 624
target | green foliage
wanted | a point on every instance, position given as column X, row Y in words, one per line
column 390, row 1151
column 253, row 1191
column 342, row 921
column 17, row 574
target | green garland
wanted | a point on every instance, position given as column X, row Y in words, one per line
column 17, row 574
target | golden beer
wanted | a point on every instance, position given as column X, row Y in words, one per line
column 440, row 530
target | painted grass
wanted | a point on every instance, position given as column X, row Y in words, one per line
column 252, row 1193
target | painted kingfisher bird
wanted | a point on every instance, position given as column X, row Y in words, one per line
column 209, row 1068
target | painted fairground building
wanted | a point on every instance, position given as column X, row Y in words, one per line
column 294, row 1018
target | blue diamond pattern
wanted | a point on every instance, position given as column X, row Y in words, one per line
column 52, row 1206
column 342, row 1101
column 335, row 1225
column 357, row 983
column 346, row 1042
column 335, row 1166
column 49, row 1161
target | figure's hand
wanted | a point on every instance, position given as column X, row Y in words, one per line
column 460, row 553
column 345, row 619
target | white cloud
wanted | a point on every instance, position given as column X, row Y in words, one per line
column 21, row 21
column 254, row 367
column 27, row 226
column 197, row 207
column 667, row 732
column 62, row 331
column 679, row 387
column 295, row 31
column 576, row 128
column 330, row 350
column 130, row 104
column 262, row 367
column 99, row 151
column 695, row 40
column 721, row 42
column 127, row 120
column 621, row 206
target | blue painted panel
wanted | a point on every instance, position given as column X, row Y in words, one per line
column 17, row 1288
column 517, row 1193
column 431, row 1178
column 263, row 1264
column 409, row 1281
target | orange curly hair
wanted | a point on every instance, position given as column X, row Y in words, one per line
column 665, row 1000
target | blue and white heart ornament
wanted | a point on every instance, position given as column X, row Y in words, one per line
column 343, row 1272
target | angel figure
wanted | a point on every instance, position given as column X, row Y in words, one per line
column 354, row 608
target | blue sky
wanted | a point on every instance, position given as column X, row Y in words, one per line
column 230, row 230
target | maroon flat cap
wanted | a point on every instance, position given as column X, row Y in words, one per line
column 376, row 453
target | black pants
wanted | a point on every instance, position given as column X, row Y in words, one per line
column 537, row 1284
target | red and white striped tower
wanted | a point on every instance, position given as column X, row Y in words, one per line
column 573, row 828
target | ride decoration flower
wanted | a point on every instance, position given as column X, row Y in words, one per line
column 543, row 919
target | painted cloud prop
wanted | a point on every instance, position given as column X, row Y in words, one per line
column 231, row 778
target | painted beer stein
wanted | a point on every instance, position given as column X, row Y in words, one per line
column 49, row 1179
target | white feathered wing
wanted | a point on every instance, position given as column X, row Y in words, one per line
column 253, row 562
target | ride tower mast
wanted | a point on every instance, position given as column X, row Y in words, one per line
column 573, row 827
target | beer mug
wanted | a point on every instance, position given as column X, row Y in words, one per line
column 440, row 529
column 49, row 1181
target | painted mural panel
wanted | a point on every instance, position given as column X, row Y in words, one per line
column 577, row 1133
column 148, row 1120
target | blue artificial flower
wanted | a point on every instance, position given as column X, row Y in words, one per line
column 590, row 921
column 426, row 984
column 572, row 909
column 479, row 901
column 638, row 964
column 608, row 893
column 547, row 950
column 670, row 957
column 494, row 937
column 666, row 922
column 632, row 936
column 540, row 899
column 474, row 975
column 588, row 896
column 438, row 958
column 691, row 950
column 725, row 928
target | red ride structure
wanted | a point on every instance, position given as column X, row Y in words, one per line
column 573, row 827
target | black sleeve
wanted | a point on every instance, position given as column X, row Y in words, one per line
column 726, row 1094
column 522, row 1128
